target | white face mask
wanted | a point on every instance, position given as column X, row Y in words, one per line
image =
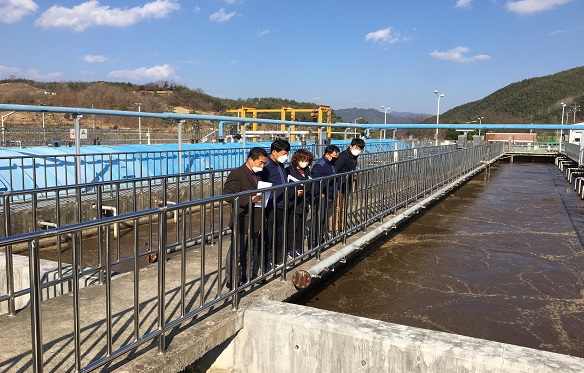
column 282, row 158
column 256, row 169
column 355, row 152
column 303, row 164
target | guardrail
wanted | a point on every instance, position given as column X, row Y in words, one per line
column 526, row 148
column 194, row 230
column 23, row 172
column 575, row 152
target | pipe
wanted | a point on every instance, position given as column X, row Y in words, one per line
column 114, row 212
column 303, row 278
column 224, row 119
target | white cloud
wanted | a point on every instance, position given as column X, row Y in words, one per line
column 262, row 33
column 221, row 16
column 233, row 63
column 36, row 74
column 33, row 74
column 196, row 10
column 231, row 1
column 7, row 70
column 457, row 55
column 91, row 13
column 385, row 36
column 463, row 3
column 95, row 58
column 12, row 11
column 145, row 73
column 533, row 6
column 557, row 32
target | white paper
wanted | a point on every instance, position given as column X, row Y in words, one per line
column 292, row 179
column 266, row 197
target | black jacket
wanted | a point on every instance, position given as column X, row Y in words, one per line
column 302, row 202
column 240, row 180
column 346, row 162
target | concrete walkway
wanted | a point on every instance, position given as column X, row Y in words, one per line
column 186, row 343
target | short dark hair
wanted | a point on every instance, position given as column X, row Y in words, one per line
column 256, row 152
column 279, row 145
column 331, row 149
column 359, row 142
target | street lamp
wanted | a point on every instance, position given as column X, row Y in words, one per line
column 44, row 132
column 561, row 129
column 438, row 113
column 385, row 109
column 139, row 123
column 480, row 123
column 4, row 129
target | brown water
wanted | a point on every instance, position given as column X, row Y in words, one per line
column 499, row 259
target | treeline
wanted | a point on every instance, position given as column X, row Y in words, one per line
column 535, row 100
column 157, row 97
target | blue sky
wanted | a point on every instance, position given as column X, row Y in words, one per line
column 339, row 53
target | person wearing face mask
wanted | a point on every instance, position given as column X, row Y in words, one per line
column 274, row 172
column 347, row 162
column 324, row 194
column 299, row 170
column 241, row 179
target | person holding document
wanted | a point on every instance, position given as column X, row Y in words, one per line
column 275, row 173
column 299, row 204
column 241, row 179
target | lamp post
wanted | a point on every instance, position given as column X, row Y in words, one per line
column 139, row 123
column 3, row 128
column 480, row 123
column 438, row 113
column 561, row 129
column 385, row 109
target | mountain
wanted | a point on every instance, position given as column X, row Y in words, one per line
column 376, row 116
column 535, row 100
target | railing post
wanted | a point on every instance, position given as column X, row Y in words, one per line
column 162, row 230
column 35, row 306
column 8, row 254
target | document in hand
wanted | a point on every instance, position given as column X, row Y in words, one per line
column 266, row 198
column 292, row 179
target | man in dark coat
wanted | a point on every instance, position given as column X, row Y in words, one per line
column 242, row 179
column 347, row 162
column 324, row 193
column 275, row 173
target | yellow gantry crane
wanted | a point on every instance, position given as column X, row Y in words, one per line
column 317, row 114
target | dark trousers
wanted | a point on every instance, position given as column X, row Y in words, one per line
column 321, row 220
column 295, row 232
column 242, row 257
column 275, row 235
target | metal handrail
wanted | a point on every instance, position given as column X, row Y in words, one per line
column 380, row 191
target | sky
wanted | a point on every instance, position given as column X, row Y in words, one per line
column 344, row 54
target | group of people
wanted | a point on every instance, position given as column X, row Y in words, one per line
column 286, row 209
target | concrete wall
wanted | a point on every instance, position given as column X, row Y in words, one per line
column 280, row 337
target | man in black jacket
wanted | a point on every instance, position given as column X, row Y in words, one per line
column 275, row 173
column 324, row 194
column 242, row 179
column 347, row 162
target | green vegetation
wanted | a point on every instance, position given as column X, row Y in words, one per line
column 155, row 97
column 535, row 100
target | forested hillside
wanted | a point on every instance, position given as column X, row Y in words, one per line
column 154, row 97
column 535, row 100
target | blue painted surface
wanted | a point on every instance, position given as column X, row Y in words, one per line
column 38, row 167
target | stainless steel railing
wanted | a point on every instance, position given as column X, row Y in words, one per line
column 193, row 231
